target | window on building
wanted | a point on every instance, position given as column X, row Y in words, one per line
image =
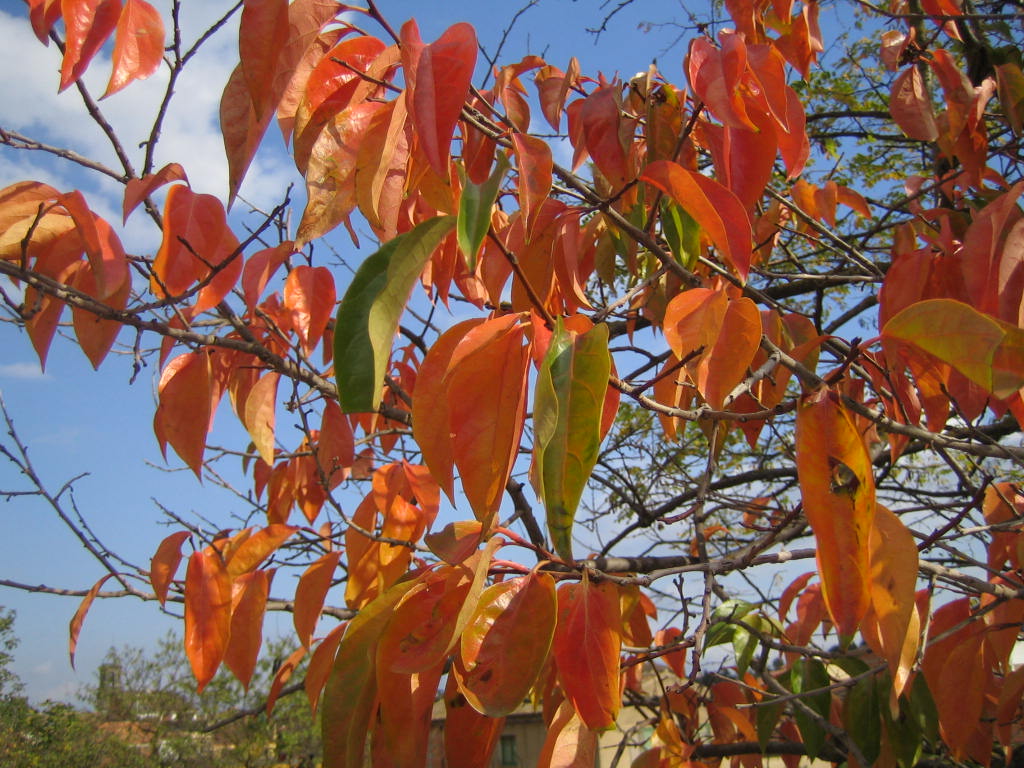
column 508, row 750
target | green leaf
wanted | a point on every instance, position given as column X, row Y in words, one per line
column 987, row 351
column 810, row 675
column 767, row 718
column 681, row 231
column 370, row 310
column 475, row 210
column 862, row 718
column 571, row 387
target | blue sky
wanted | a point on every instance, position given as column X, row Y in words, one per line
column 79, row 421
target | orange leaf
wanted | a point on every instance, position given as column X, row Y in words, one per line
column 403, row 727
column 487, row 406
column 95, row 334
column 725, row 365
column 87, row 24
column 534, row 164
column 335, row 450
column 102, row 246
column 241, row 127
column 838, row 488
column 430, row 413
column 258, row 414
column 207, row 613
column 331, row 171
column 248, row 604
column 137, row 190
column 138, row 45
column 311, row 593
column 606, row 134
column 196, row 237
column 717, row 210
column 257, row 548
column 716, row 73
column 262, row 34
column 183, row 414
column 165, row 563
column 260, row 267
column 78, row 619
column 588, row 618
column 320, row 666
column 284, row 674
column 893, row 579
column 456, row 541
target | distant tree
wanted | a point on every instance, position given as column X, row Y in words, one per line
column 154, row 690
column 53, row 735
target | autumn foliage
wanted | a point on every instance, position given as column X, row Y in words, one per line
column 688, row 355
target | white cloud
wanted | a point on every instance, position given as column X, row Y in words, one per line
column 22, row 371
column 190, row 133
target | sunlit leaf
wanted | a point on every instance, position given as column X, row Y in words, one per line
column 207, row 613
column 257, row 548
column 349, row 700
column 164, row 564
column 986, row 350
column 310, row 595
column 282, row 676
column 469, row 737
column 309, row 294
column 443, row 73
column 75, row 628
column 183, row 414
column 570, row 742
column 911, row 106
column 87, row 24
column 320, row 664
column 248, row 604
column 137, row 190
column 138, row 45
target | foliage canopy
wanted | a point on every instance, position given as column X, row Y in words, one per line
column 772, row 316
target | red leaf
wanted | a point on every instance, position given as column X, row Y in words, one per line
column 311, row 593
column 506, row 643
column 165, row 562
column 43, row 14
column 335, row 449
column 588, row 618
column 207, row 613
column 138, row 45
column 456, row 541
column 717, row 210
column 535, row 164
column 716, row 74
column 262, row 34
column 443, row 73
column 260, row 267
column 487, row 406
column 196, row 239
column 78, row 619
column 607, row 135
column 248, row 604
column 102, row 246
column 309, row 294
column 96, row 334
column 137, row 190
column 88, row 24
